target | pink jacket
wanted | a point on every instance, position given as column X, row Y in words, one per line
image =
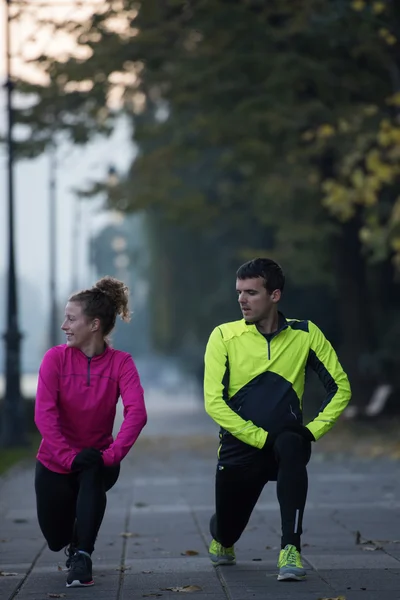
column 76, row 404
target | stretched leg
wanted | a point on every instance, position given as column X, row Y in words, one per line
column 56, row 501
column 292, row 454
column 237, row 490
column 91, row 503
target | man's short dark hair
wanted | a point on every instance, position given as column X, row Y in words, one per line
column 265, row 268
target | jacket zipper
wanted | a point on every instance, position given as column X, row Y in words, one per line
column 88, row 370
column 271, row 338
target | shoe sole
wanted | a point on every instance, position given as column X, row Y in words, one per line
column 222, row 563
column 291, row 577
column 77, row 583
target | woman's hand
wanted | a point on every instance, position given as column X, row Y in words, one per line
column 87, row 458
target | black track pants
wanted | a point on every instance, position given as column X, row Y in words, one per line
column 62, row 499
column 238, row 488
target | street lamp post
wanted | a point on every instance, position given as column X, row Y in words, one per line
column 53, row 326
column 76, row 236
column 13, row 429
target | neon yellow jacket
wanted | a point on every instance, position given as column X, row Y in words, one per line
column 254, row 384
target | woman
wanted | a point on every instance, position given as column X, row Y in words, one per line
column 78, row 389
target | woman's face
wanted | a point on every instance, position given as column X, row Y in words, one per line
column 76, row 326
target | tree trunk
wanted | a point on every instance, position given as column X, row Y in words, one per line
column 354, row 310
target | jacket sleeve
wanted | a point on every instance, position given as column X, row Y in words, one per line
column 216, row 375
column 323, row 360
column 47, row 418
column 135, row 416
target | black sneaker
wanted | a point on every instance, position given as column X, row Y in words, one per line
column 80, row 571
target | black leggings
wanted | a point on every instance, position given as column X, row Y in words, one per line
column 71, row 507
column 238, row 488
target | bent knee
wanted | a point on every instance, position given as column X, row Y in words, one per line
column 92, row 478
column 293, row 446
column 96, row 471
column 56, row 546
column 290, row 439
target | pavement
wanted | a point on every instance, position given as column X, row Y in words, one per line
column 154, row 539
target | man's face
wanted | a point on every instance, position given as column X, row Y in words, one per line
column 254, row 299
column 76, row 326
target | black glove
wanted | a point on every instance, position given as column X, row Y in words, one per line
column 86, row 458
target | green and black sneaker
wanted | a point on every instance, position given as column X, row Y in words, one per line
column 219, row 555
column 290, row 565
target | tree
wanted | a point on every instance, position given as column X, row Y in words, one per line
column 272, row 123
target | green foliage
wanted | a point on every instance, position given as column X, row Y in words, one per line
column 243, row 107
column 12, row 456
column 262, row 109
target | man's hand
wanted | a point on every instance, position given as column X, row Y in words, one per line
column 295, row 428
column 301, row 430
column 87, row 458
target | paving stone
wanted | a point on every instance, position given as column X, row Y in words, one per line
column 162, row 505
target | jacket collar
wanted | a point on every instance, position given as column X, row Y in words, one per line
column 79, row 352
column 282, row 324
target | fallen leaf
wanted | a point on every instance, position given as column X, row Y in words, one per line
column 147, row 572
column 189, row 553
column 185, row 588
column 335, row 598
column 4, row 574
column 59, row 568
column 56, row 595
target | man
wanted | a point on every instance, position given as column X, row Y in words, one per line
column 253, row 386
